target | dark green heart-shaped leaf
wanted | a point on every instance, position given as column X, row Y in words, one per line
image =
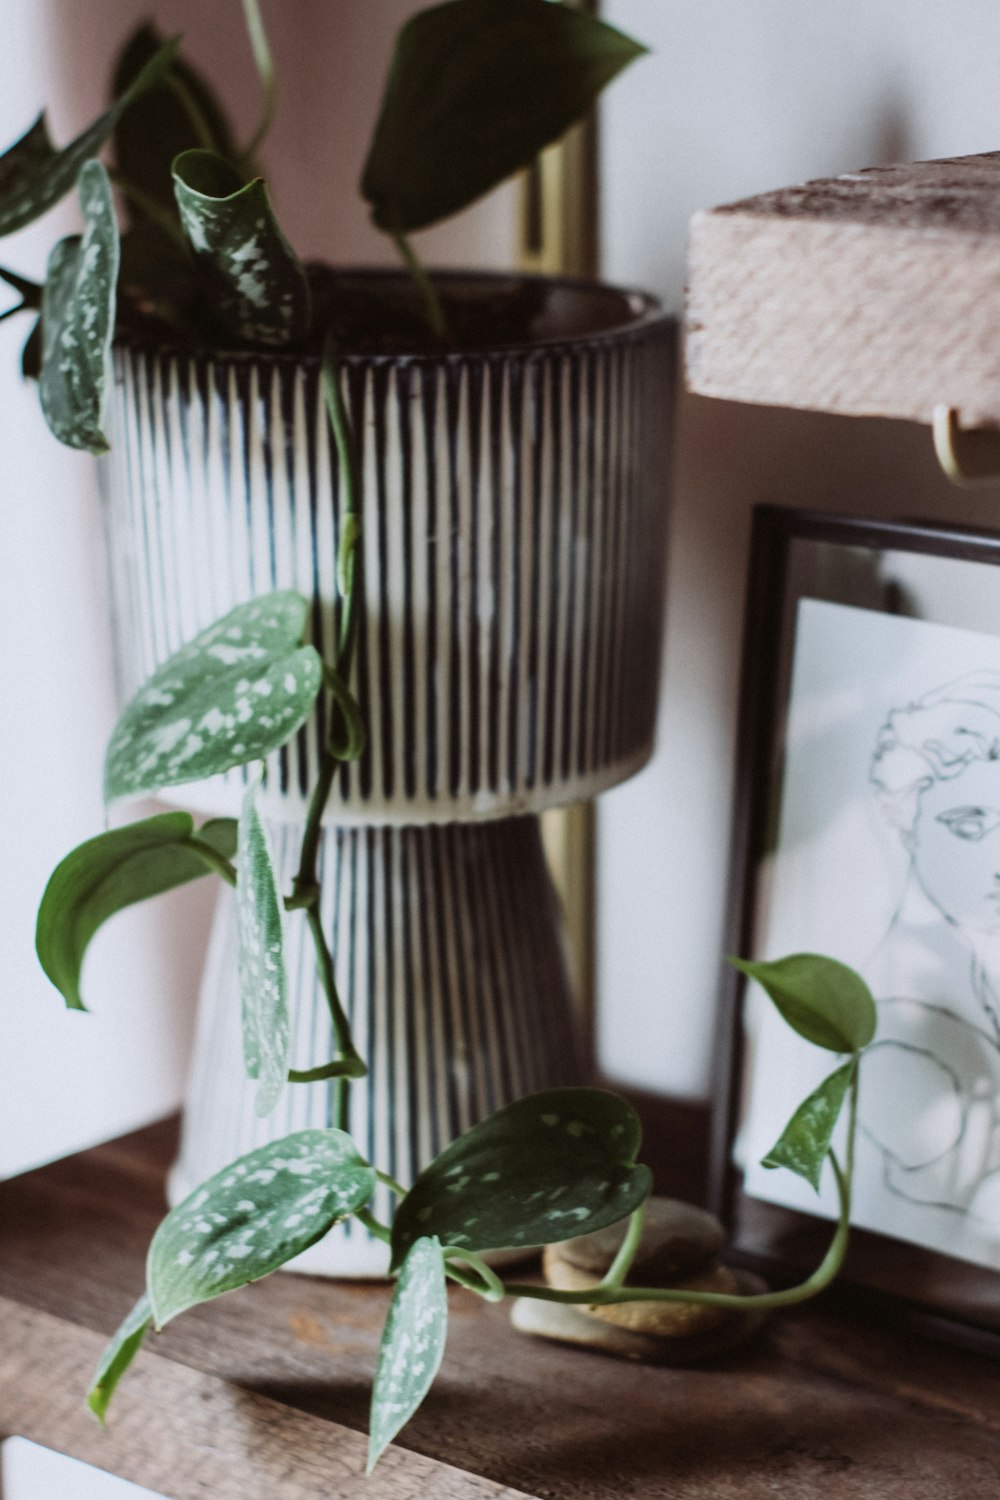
column 257, row 284
column 475, row 90
column 412, row 1344
column 805, row 1140
column 34, row 176
column 821, row 999
column 261, row 938
column 546, row 1168
column 232, row 695
column 78, row 317
column 113, row 871
column 117, row 1357
column 253, row 1216
column 179, row 113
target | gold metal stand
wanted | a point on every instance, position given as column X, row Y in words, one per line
column 558, row 236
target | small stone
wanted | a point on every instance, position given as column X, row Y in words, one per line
column 677, row 1241
column 573, row 1325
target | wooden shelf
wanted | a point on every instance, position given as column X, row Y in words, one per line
column 264, row 1393
column 872, row 294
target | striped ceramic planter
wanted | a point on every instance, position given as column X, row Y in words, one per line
column 514, row 522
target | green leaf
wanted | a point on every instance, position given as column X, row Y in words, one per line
column 805, row 1140
column 113, row 871
column 34, row 175
column 823, row 1000
column 232, row 695
column 253, row 1216
column 546, row 1168
column 475, row 90
column 263, row 984
column 117, row 1357
column 180, row 112
column 257, row 284
column 78, row 317
column 412, row 1344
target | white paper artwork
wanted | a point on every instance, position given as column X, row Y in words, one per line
column 888, row 858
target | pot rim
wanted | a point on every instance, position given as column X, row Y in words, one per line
column 647, row 316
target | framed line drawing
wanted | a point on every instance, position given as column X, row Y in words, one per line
column 868, row 828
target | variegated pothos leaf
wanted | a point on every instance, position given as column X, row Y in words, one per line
column 253, row 1216
column 232, row 695
column 805, row 1141
column 412, row 1344
column 259, row 287
column 119, row 1354
column 78, row 316
column 34, row 175
column 546, row 1168
column 263, row 982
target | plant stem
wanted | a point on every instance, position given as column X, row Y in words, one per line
column 215, row 861
column 305, row 886
column 340, row 1067
column 489, row 1285
column 762, row 1301
column 618, row 1270
column 424, row 285
column 189, row 104
column 373, row 1225
column 602, row 1295
column 391, row 1183
column 154, row 211
column 265, row 67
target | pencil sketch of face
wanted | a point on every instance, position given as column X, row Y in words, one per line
column 937, row 770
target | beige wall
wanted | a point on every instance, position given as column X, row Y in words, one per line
column 738, row 98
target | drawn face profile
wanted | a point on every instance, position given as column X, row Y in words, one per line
column 955, row 844
column 937, row 770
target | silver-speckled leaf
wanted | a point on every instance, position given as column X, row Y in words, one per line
column 119, row 1354
column 34, row 176
column 253, row 1216
column 232, row 695
column 263, row 983
column 544, row 1169
column 78, row 315
column 805, row 1140
column 110, row 872
column 412, row 1344
column 258, row 285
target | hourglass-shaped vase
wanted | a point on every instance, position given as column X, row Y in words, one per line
column 507, row 659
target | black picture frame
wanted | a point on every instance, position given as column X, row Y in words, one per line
column 791, row 551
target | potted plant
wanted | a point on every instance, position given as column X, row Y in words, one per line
column 501, row 655
column 397, row 538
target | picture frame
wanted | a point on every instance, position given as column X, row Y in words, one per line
column 870, row 689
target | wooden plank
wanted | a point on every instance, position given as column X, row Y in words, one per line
column 871, row 294
column 822, row 1406
column 188, row 1435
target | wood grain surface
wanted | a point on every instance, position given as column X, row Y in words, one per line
column 872, row 294
column 821, row 1406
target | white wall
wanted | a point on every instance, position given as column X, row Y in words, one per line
column 742, row 96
